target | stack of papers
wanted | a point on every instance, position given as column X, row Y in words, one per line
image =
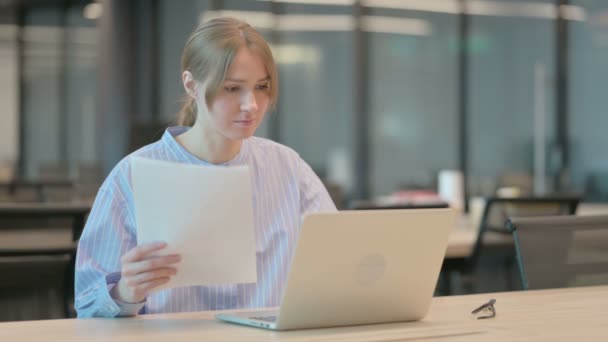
column 203, row 213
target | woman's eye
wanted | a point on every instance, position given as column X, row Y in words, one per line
column 232, row 89
column 263, row 87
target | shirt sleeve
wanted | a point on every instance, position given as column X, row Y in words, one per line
column 313, row 194
column 108, row 234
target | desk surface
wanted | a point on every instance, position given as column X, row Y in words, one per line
column 546, row 315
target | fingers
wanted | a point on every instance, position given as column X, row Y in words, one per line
column 136, row 294
column 150, row 264
column 143, row 278
column 140, row 252
column 142, row 272
column 145, row 288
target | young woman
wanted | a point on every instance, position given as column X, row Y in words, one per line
column 230, row 79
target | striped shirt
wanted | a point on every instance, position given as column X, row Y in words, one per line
column 284, row 189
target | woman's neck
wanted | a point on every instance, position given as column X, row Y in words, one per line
column 208, row 145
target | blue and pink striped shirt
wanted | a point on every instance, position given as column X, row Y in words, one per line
column 284, row 189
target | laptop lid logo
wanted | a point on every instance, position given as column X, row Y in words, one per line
column 370, row 269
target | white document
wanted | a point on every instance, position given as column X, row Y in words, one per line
column 203, row 213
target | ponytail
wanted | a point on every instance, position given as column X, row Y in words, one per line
column 187, row 114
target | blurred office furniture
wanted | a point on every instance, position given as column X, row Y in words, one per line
column 7, row 170
column 53, row 171
column 450, row 187
column 48, row 190
column 58, row 175
column 371, row 205
column 336, row 193
column 90, row 177
column 522, row 181
column 83, row 187
column 592, row 209
column 494, row 242
column 561, row 251
column 144, row 133
column 37, row 255
column 402, row 199
column 52, row 184
column 596, row 186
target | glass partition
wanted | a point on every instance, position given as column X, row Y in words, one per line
column 588, row 119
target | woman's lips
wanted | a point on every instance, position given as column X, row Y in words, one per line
column 245, row 122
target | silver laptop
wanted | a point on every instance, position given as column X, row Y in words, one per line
column 360, row 267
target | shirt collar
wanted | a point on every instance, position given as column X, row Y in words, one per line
column 168, row 139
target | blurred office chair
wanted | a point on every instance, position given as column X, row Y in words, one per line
column 54, row 182
column 13, row 191
column 494, row 242
column 90, row 178
column 596, row 186
column 52, row 171
column 336, row 193
column 37, row 255
column 561, row 251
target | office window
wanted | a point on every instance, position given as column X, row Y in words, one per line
column 412, row 82
column 43, row 89
column 59, row 75
column 81, row 59
column 588, row 102
column 511, row 81
column 314, row 50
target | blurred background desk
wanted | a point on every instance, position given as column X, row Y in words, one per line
column 78, row 211
column 546, row 315
column 462, row 239
column 37, row 253
column 36, row 190
column 460, row 247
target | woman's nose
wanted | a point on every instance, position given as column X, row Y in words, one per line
column 249, row 103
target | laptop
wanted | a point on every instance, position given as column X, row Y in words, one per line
column 359, row 267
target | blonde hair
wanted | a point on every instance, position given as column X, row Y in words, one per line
column 210, row 50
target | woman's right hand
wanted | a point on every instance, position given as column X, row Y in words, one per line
column 141, row 272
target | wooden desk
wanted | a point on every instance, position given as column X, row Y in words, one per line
column 547, row 315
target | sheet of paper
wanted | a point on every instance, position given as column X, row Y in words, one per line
column 203, row 213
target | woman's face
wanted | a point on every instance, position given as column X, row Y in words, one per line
column 242, row 100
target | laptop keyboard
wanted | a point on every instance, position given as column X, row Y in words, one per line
column 265, row 318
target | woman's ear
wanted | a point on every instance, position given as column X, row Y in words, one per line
column 189, row 84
